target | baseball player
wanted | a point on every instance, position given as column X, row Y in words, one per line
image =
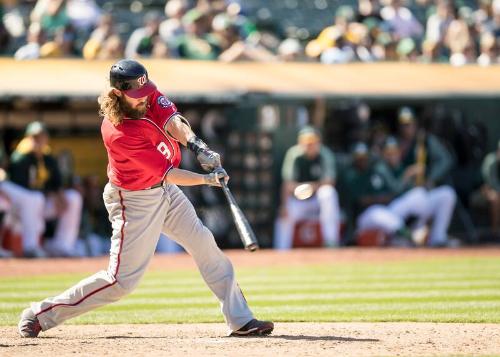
column 435, row 205
column 308, row 166
column 370, row 193
column 490, row 170
column 23, row 210
column 36, row 170
column 141, row 131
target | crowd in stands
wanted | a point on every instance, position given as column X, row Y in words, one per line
column 447, row 31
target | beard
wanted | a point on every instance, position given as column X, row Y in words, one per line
column 130, row 112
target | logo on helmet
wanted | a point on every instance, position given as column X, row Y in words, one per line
column 142, row 80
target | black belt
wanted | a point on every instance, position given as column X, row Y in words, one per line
column 159, row 184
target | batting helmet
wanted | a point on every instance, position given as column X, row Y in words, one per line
column 131, row 77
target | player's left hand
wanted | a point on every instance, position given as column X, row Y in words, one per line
column 208, row 159
column 213, row 178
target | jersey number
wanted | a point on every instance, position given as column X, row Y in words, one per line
column 163, row 148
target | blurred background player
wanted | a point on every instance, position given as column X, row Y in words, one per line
column 33, row 167
column 430, row 161
column 370, row 192
column 410, row 202
column 308, row 189
column 491, row 188
column 21, row 208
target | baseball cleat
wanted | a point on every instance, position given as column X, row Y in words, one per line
column 254, row 328
column 29, row 326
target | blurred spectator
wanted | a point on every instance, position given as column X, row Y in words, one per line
column 237, row 17
column 233, row 48
column 330, row 44
column 439, row 21
column 308, row 189
column 491, row 189
column 4, row 34
column 368, row 9
column 406, row 50
column 146, row 41
column 31, row 50
column 56, row 26
column 489, row 50
column 489, row 17
column 172, row 26
column 61, row 44
column 104, row 42
column 401, row 21
column 433, row 47
column 12, row 22
column 458, row 39
column 196, row 43
column 33, row 167
column 52, row 16
column 83, row 15
column 290, row 50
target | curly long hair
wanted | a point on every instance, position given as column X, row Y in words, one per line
column 110, row 108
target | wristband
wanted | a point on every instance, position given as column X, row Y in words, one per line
column 195, row 144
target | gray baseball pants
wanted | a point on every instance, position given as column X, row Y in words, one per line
column 138, row 218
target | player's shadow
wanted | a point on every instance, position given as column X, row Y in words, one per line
column 320, row 338
column 133, row 337
column 283, row 337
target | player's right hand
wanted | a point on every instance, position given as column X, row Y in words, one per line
column 213, row 178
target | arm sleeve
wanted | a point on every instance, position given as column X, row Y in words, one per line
column 441, row 160
column 288, row 170
column 143, row 154
column 328, row 159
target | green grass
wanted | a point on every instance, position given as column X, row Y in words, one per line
column 441, row 290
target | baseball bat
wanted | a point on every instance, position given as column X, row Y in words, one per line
column 245, row 232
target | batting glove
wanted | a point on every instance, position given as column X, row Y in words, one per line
column 213, row 178
column 208, row 159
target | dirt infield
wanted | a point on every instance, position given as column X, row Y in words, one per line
column 241, row 258
column 289, row 339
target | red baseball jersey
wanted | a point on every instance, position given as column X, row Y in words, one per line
column 140, row 152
